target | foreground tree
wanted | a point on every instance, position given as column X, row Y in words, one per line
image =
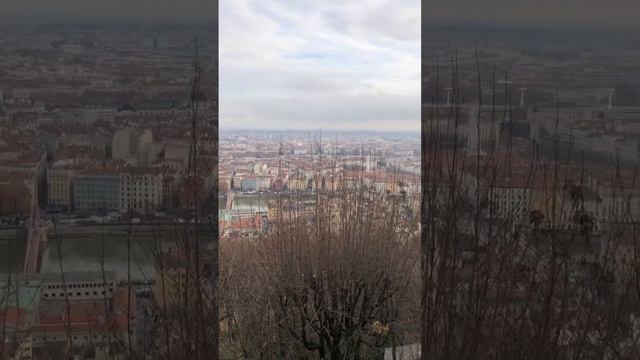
column 514, row 264
column 335, row 276
column 334, row 281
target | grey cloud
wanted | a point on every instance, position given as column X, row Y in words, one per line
column 42, row 11
column 526, row 12
column 342, row 64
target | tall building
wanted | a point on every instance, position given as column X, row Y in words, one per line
column 249, row 183
column 141, row 190
column 94, row 191
column 121, row 144
column 260, row 169
column 60, row 187
column 136, row 147
column 252, row 183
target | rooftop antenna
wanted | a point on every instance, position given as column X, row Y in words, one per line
column 280, row 153
column 320, row 142
column 369, row 159
column 523, row 90
column 611, row 91
column 320, row 174
column 338, row 155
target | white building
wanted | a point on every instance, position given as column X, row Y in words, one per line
column 141, row 190
column 79, row 286
column 260, row 169
column 137, row 148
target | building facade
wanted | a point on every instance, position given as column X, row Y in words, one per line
column 141, row 191
column 60, row 187
column 96, row 192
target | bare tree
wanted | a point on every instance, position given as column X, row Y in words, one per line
column 513, row 264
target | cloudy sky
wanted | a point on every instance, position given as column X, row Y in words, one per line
column 606, row 13
column 301, row 64
column 47, row 11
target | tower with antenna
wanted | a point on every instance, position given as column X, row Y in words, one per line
column 280, row 155
column 611, row 92
column 369, row 158
column 320, row 142
column 320, row 164
column 523, row 90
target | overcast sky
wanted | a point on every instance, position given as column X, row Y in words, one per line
column 301, row 64
column 601, row 13
column 47, row 11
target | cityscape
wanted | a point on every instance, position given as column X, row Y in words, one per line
column 258, row 166
column 530, row 150
column 97, row 130
column 297, row 181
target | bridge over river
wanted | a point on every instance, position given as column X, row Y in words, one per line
column 93, row 247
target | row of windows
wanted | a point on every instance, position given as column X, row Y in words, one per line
column 141, row 190
column 80, row 286
column 93, row 200
column 110, row 183
column 97, row 187
column 138, row 183
column 111, row 197
column 138, row 196
column 98, row 182
column 93, row 197
column 137, row 178
column 70, row 294
column 84, row 204
column 98, row 191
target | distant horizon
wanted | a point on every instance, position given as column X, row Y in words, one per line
column 524, row 26
column 452, row 25
column 84, row 22
column 446, row 24
column 316, row 130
